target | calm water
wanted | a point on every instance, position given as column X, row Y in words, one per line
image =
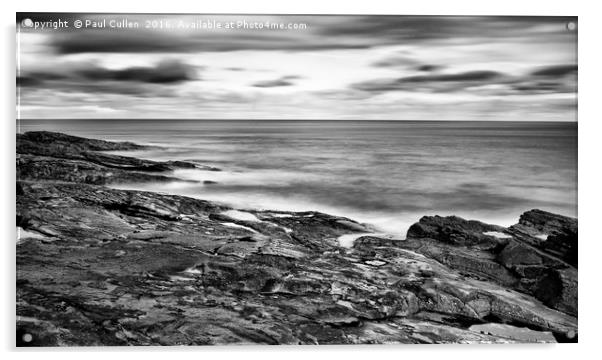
column 385, row 173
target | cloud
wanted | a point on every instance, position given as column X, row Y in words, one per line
column 541, row 80
column 144, row 41
column 406, row 61
column 429, row 67
column 416, row 29
column 27, row 81
column 283, row 81
column 326, row 32
column 433, row 82
column 556, row 70
column 360, row 67
column 159, row 80
column 549, row 80
column 541, row 87
column 396, row 61
column 165, row 72
column 466, row 76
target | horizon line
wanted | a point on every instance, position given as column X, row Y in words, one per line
column 242, row 119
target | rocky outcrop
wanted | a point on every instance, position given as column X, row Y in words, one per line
column 47, row 142
column 554, row 234
column 100, row 266
column 44, row 155
column 512, row 257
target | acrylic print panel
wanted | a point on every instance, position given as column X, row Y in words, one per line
column 274, row 179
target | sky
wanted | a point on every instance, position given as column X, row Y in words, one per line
column 322, row 67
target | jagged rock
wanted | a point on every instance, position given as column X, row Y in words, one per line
column 517, row 261
column 554, row 234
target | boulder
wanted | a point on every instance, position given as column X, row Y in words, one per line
column 457, row 231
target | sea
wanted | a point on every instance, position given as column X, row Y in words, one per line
column 387, row 174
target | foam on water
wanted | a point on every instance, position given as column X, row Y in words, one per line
column 229, row 224
column 497, row 234
column 241, row 215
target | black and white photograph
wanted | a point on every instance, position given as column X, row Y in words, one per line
column 277, row 179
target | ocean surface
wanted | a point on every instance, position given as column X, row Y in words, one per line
column 385, row 173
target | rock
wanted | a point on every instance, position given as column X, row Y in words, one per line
column 43, row 168
column 116, row 267
column 457, row 231
column 518, row 261
column 369, row 242
column 516, row 254
column 58, row 141
column 46, row 155
column 559, row 232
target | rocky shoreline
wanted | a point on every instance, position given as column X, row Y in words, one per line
column 100, row 266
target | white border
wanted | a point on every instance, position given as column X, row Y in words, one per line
column 589, row 174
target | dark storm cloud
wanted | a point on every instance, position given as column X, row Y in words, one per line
column 440, row 82
column 556, row 70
